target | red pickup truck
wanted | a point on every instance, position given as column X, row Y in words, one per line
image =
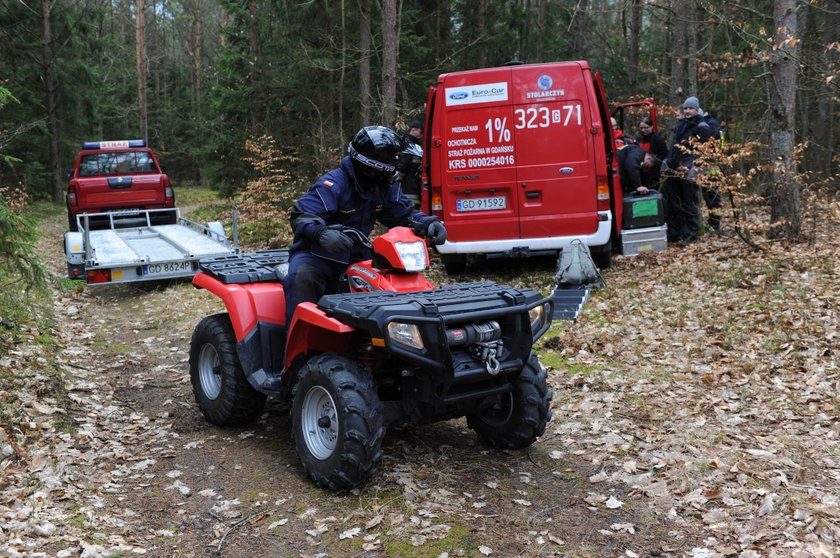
column 116, row 175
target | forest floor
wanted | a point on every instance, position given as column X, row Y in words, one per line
column 695, row 415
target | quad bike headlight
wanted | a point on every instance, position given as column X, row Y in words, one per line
column 405, row 334
column 538, row 316
column 413, row 255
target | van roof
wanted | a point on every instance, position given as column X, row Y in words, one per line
column 582, row 64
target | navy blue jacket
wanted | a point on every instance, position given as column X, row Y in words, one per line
column 337, row 198
column 681, row 152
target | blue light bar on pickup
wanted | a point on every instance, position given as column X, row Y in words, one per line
column 119, row 144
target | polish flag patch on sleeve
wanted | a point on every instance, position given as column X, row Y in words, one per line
column 329, row 183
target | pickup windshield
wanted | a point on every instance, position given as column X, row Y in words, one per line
column 116, row 162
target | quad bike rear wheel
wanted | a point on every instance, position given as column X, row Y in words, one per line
column 337, row 421
column 219, row 385
column 518, row 418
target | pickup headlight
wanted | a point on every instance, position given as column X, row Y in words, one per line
column 538, row 316
column 413, row 255
column 405, row 334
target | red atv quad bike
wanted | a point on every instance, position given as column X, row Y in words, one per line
column 391, row 350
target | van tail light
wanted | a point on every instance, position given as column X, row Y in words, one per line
column 603, row 189
column 71, row 197
column 99, row 276
column 168, row 193
column 437, row 202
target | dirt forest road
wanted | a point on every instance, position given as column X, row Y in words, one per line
column 633, row 463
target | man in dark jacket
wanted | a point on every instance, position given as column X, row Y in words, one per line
column 681, row 192
column 632, row 161
column 357, row 194
column 409, row 163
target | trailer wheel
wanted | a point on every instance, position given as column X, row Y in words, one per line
column 454, row 263
column 219, row 385
column 519, row 417
column 337, row 421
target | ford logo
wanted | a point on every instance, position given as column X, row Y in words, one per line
column 567, row 170
column 457, row 96
column 545, row 82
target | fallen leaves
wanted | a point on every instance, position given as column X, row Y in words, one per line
column 695, row 412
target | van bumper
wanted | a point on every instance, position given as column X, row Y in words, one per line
column 515, row 245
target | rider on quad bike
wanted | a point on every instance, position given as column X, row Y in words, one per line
column 383, row 347
column 361, row 191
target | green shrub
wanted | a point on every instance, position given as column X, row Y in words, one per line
column 21, row 273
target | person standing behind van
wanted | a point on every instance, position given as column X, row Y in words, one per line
column 653, row 143
column 409, row 163
column 650, row 141
column 682, row 212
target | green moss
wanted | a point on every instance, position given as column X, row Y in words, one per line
column 80, row 521
column 106, row 346
column 186, row 196
column 550, row 359
column 65, row 285
column 161, row 385
column 44, row 210
column 458, row 538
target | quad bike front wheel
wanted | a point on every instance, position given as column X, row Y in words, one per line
column 219, row 385
column 337, row 421
column 518, row 418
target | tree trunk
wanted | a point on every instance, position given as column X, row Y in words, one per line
column 541, row 30
column 481, row 23
column 389, row 61
column 824, row 125
column 785, row 201
column 579, row 36
column 692, row 32
column 253, row 55
column 633, row 50
column 342, row 73
column 57, row 188
column 197, row 40
column 667, row 41
column 364, row 62
column 142, row 65
column 676, row 90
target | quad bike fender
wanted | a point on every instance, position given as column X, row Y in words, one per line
column 313, row 330
column 247, row 304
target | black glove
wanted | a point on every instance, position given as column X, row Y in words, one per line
column 334, row 241
column 436, row 232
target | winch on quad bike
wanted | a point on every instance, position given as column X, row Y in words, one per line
column 391, row 350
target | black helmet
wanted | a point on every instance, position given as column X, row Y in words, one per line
column 374, row 152
column 408, row 160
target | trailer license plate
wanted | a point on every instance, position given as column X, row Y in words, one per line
column 166, row 268
column 481, row 204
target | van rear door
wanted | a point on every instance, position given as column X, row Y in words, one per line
column 628, row 115
column 615, row 195
column 478, row 178
column 554, row 150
